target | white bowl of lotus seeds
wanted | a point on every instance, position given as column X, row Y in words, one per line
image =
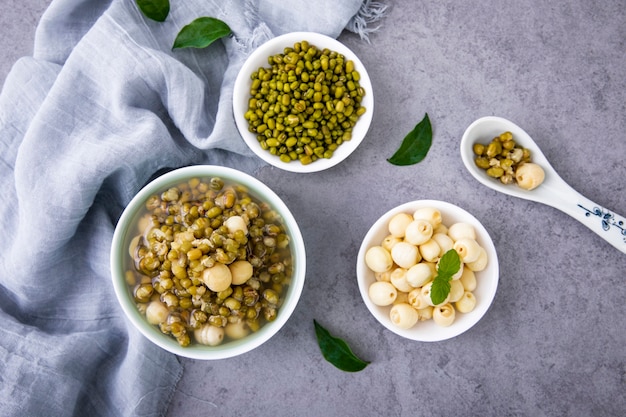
column 207, row 262
column 399, row 259
column 305, row 111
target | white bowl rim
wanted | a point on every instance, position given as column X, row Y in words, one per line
column 428, row 331
column 229, row 349
column 241, row 95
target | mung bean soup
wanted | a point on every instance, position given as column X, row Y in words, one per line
column 209, row 262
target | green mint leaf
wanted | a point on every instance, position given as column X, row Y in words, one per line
column 415, row 145
column 440, row 289
column 154, row 9
column 201, row 33
column 449, row 264
column 337, row 352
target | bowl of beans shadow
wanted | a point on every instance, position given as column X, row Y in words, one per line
column 399, row 297
column 303, row 102
column 207, row 262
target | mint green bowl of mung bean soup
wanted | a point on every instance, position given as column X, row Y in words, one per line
column 207, row 262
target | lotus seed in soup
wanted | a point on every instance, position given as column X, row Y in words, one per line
column 209, row 262
column 506, row 160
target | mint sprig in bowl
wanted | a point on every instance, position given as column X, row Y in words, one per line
column 398, row 308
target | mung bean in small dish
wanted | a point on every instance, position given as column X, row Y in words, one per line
column 303, row 102
column 207, row 262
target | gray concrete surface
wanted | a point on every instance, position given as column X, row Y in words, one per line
column 554, row 341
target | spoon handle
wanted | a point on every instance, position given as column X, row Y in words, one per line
column 608, row 225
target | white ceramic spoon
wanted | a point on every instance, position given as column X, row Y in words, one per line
column 554, row 191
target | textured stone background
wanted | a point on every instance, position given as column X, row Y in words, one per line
column 554, row 342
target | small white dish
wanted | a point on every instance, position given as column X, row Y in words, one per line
column 554, row 191
column 487, row 279
column 241, row 96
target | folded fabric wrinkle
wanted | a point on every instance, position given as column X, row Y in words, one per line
column 102, row 106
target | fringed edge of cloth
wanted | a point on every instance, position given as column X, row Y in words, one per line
column 371, row 12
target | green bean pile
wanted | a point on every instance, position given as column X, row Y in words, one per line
column 193, row 228
column 501, row 157
column 306, row 104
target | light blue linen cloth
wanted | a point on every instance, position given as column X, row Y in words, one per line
column 102, row 106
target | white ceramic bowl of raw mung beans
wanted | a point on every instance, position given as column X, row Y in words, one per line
column 207, row 262
column 308, row 114
column 398, row 261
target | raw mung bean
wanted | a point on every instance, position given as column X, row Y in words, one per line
column 306, row 89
